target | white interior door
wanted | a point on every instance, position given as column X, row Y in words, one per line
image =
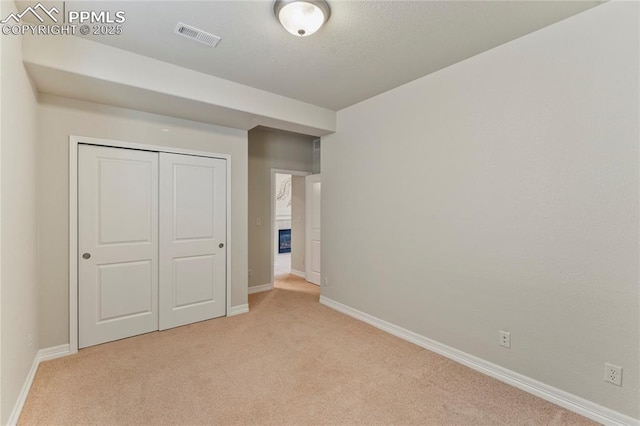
column 312, row 233
column 193, row 252
column 117, row 243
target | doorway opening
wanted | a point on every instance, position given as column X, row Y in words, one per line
column 288, row 224
column 283, row 224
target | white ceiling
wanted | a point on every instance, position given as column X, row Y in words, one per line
column 366, row 48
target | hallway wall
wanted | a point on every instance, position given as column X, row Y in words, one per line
column 269, row 149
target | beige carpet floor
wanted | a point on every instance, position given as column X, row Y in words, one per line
column 288, row 361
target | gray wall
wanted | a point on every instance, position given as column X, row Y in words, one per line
column 502, row 193
column 269, row 149
column 317, row 160
column 59, row 118
column 19, row 243
column 297, row 223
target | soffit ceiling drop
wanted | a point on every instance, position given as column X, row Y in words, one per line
column 366, row 48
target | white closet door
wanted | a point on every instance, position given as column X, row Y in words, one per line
column 193, row 252
column 117, row 243
column 312, row 234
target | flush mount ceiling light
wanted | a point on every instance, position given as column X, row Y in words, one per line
column 302, row 17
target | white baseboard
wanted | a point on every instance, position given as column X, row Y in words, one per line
column 557, row 396
column 42, row 355
column 54, row 352
column 22, row 398
column 298, row 273
column 239, row 309
column 260, row 288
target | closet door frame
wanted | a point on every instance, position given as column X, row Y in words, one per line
column 74, row 142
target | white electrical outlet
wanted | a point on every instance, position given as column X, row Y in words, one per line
column 250, row 272
column 30, row 340
column 325, row 281
column 504, row 339
column 613, row 374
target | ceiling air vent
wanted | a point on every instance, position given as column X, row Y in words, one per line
column 197, row 35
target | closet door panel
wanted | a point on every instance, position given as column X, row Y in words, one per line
column 117, row 243
column 193, row 249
